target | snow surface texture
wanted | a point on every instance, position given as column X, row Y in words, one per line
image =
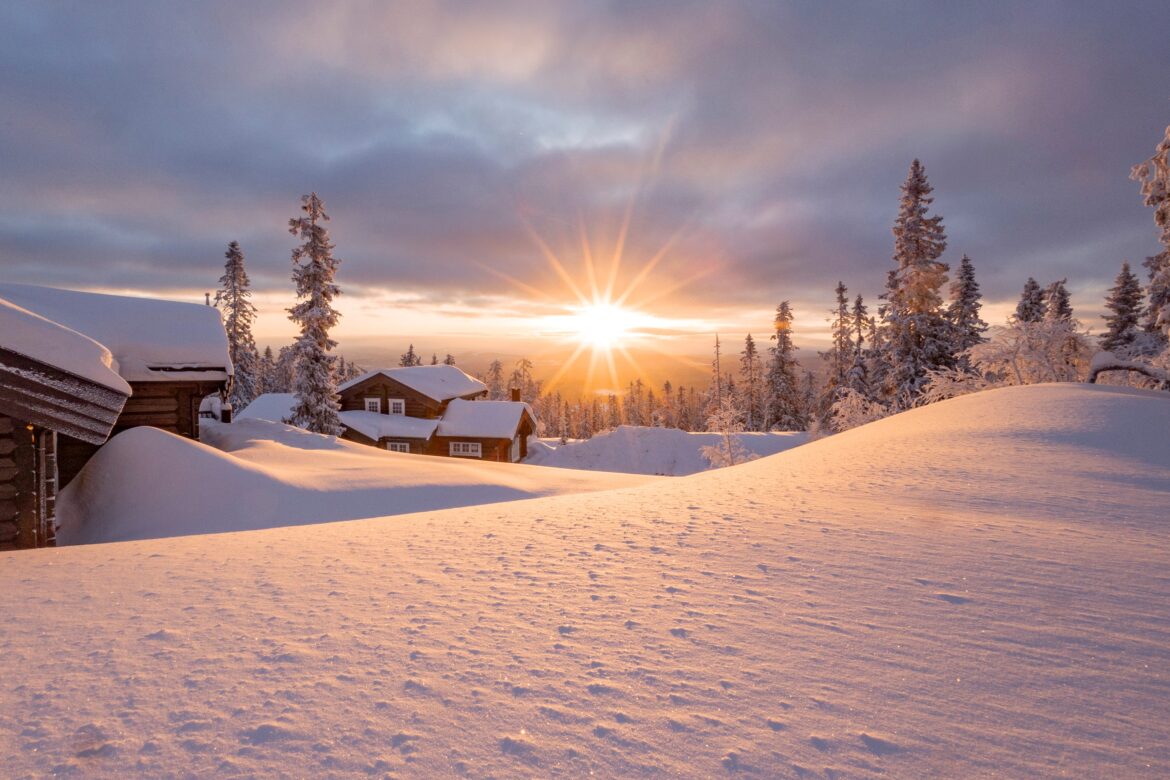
column 33, row 336
column 144, row 334
column 376, row 425
column 276, row 407
column 441, row 382
column 976, row 588
column 482, row 419
column 639, row 450
column 146, row 483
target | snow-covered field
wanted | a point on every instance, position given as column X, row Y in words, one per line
column 641, row 450
column 976, row 588
column 255, row 474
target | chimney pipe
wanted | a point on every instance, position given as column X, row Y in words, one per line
column 516, row 394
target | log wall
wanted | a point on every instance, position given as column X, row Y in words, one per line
column 28, row 485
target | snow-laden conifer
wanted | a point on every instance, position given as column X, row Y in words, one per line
column 785, row 411
column 495, row 381
column 410, row 358
column 918, row 337
column 1057, row 303
column 1032, row 305
column 963, row 312
column 233, row 299
column 1124, row 303
column 752, row 386
column 314, row 270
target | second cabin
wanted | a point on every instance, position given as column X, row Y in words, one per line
column 434, row 410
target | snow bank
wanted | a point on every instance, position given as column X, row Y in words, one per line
column 441, row 382
column 146, row 483
column 973, row 589
column 637, row 450
column 33, row 336
column 148, row 337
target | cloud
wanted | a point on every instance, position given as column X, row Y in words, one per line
column 768, row 142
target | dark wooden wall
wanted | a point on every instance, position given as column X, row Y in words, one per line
column 28, row 485
column 417, row 405
column 492, row 449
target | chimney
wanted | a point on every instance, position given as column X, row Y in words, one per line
column 516, row 394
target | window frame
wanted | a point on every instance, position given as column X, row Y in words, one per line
column 465, row 449
column 398, row 446
column 377, row 401
column 391, row 402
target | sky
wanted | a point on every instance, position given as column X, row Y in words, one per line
column 705, row 160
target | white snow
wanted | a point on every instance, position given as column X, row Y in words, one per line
column 276, row 407
column 482, row 419
column 976, row 588
column 375, row 425
column 635, row 449
column 146, row 483
column 441, row 382
column 147, row 337
column 33, row 336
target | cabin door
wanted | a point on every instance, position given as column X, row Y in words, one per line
column 515, row 453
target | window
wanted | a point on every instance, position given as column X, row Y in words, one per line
column 373, row 404
column 466, row 449
column 398, row 446
column 397, row 406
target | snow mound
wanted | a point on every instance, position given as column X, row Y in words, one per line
column 974, row 589
column 146, row 483
column 275, row 407
column 632, row 449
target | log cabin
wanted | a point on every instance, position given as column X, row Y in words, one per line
column 54, row 383
column 171, row 354
column 434, row 410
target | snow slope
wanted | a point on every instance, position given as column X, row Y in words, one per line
column 976, row 588
column 641, row 450
column 146, row 483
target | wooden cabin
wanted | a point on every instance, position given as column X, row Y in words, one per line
column 433, row 410
column 171, row 354
column 54, row 383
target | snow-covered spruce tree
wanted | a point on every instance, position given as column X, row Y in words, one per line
column 917, row 335
column 1125, row 305
column 233, row 299
column 1154, row 176
column 314, row 269
column 963, row 312
column 1032, row 306
column 785, row 410
column 267, row 372
column 752, row 386
column 523, row 380
column 449, row 360
column 840, row 355
column 1057, row 303
column 495, row 381
column 409, row 358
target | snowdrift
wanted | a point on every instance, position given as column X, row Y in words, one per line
column 977, row 588
column 633, row 449
column 146, row 483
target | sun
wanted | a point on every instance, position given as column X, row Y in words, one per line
column 602, row 325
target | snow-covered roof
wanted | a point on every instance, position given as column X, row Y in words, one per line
column 276, row 407
column 149, row 339
column 392, row 426
column 48, row 342
column 483, row 419
column 440, row 383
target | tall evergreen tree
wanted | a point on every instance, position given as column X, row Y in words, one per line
column 267, row 373
column 840, row 354
column 233, row 299
column 785, row 409
column 1032, row 305
column 1125, row 305
column 918, row 336
column 1154, row 176
column 314, row 270
column 449, row 360
column 1057, row 303
column 752, row 389
column 963, row 311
